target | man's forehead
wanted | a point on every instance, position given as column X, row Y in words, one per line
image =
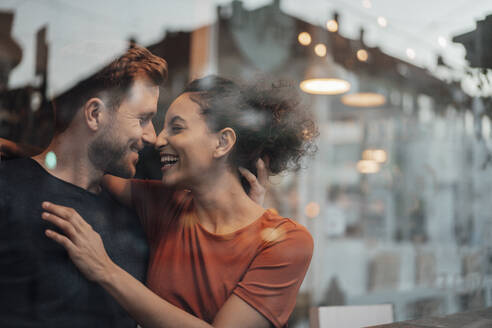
column 142, row 90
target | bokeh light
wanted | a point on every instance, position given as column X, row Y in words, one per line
column 410, row 53
column 320, row 50
column 367, row 166
column 367, row 4
column 312, row 210
column 332, row 25
column 382, row 21
column 362, row 55
column 377, row 155
column 442, row 41
column 304, row 38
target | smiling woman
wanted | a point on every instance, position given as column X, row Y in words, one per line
column 263, row 121
column 217, row 257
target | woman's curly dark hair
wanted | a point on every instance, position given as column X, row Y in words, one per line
column 268, row 120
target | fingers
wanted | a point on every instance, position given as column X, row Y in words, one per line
column 255, row 182
column 60, row 239
column 66, row 213
column 66, row 226
column 262, row 172
column 257, row 191
column 248, row 176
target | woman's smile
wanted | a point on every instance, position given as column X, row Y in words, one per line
column 168, row 161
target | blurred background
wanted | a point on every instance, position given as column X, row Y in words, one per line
column 397, row 197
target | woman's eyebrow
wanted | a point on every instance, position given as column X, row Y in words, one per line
column 177, row 118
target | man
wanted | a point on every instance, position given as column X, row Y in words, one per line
column 100, row 126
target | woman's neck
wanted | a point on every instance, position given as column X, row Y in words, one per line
column 222, row 205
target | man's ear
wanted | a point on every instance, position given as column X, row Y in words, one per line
column 226, row 141
column 94, row 109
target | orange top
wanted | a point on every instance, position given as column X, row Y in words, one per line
column 263, row 263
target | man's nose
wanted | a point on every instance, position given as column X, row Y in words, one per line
column 149, row 136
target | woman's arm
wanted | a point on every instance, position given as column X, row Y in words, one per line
column 10, row 149
column 121, row 188
column 86, row 250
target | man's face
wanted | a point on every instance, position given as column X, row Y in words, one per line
column 115, row 149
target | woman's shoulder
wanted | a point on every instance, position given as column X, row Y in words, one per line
column 285, row 230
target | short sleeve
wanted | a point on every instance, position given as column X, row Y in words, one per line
column 274, row 277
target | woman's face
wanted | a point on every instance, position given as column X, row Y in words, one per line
column 186, row 145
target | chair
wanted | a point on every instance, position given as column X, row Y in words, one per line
column 353, row 316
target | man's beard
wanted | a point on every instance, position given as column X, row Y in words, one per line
column 108, row 156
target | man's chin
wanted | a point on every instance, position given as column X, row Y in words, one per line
column 125, row 172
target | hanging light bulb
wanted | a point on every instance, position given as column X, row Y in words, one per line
column 304, row 38
column 320, row 50
column 332, row 25
column 362, row 55
column 323, row 77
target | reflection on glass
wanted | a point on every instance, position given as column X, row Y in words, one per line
column 50, row 160
column 312, row 210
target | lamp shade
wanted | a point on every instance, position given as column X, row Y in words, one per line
column 363, row 99
column 324, row 78
column 366, row 93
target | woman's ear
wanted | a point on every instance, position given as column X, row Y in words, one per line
column 226, row 141
column 93, row 112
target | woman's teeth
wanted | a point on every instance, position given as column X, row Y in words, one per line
column 168, row 160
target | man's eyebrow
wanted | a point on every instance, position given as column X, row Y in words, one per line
column 149, row 112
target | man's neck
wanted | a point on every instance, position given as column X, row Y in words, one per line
column 66, row 158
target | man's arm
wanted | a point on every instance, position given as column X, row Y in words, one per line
column 120, row 188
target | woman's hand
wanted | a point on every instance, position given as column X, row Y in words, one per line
column 10, row 149
column 258, row 184
column 83, row 244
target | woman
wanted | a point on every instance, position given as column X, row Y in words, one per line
column 217, row 257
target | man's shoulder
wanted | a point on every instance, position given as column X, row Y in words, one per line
column 13, row 170
column 16, row 165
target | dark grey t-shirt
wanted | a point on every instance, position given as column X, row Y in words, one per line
column 39, row 285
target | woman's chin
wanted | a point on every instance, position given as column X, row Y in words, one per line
column 168, row 182
column 172, row 182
